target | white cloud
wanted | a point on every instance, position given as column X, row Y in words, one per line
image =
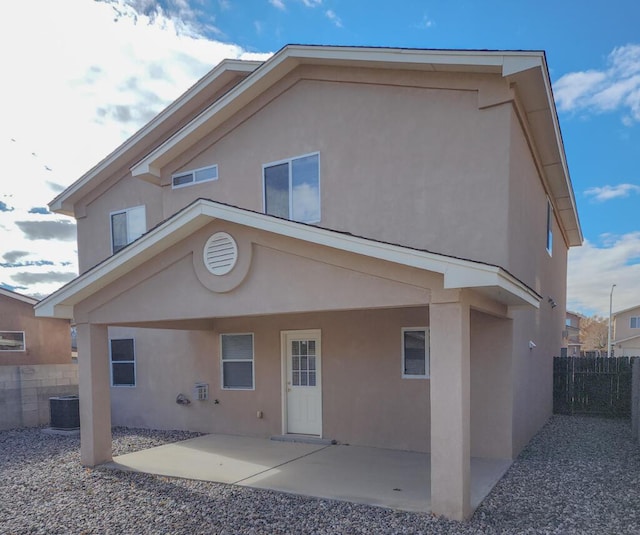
column 615, row 87
column 594, row 268
column 79, row 93
column 606, row 193
column 278, row 4
column 425, row 23
column 312, row 3
column 331, row 15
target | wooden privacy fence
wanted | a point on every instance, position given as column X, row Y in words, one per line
column 590, row 385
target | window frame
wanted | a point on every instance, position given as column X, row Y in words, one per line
column 549, row 242
column 427, row 353
column 24, row 343
column 126, row 211
column 134, row 362
column 637, row 322
column 252, row 360
column 193, row 172
column 289, row 162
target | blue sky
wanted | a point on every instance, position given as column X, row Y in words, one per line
column 79, row 89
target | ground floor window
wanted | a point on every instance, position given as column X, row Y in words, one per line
column 12, row 341
column 415, row 352
column 236, row 352
column 123, row 362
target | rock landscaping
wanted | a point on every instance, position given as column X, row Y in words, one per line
column 579, row 475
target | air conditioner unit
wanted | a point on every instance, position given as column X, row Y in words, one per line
column 64, row 412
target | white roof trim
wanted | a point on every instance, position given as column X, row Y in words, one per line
column 624, row 310
column 18, row 297
column 457, row 273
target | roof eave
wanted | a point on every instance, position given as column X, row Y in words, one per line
column 458, row 273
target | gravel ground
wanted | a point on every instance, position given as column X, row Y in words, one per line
column 577, row 476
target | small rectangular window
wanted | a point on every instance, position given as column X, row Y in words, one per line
column 415, row 352
column 123, row 362
column 126, row 226
column 292, row 188
column 634, row 322
column 237, row 361
column 204, row 174
column 549, row 227
column 12, row 341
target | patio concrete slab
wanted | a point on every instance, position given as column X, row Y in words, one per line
column 221, row 458
column 387, row 478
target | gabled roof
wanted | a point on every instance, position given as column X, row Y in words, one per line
column 458, row 273
column 622, row 340
column 525, row 70
column 18, row 297
column 218, row 80
column 626, row 310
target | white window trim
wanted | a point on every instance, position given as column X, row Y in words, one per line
column 135, row 363
column 637, row 318
column 193, row 172
column 125, row 211
column 252, row 360
column 24, row 343
column 289, row 160
column 427, row 356
column 549, row 227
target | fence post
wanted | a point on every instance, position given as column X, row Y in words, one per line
column 635, row 397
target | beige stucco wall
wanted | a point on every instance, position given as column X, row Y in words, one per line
column 421, row 155
column 622, row 326
column 284, row 275
column 48, row 340
column 418, row 158
column 94, row 225
column 546, row 274
column 365, row 399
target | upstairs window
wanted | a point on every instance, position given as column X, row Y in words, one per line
column 126, row 226
column 634, row 322
column 415, row 352
column 204, row 174
column 123, row 362
column 549, row 227
column 12, row 341
column 292, row 188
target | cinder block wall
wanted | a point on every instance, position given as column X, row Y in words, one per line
column 25, row 392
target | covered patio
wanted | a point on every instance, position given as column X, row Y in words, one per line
column 372, row 476
column 352, row 293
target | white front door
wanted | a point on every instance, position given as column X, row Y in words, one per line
column 303, row 390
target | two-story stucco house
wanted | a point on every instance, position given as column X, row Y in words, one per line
column 367, row 245
column 626, row 332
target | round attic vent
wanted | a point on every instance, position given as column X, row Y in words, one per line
column 220, row 253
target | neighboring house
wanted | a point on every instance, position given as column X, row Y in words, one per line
column 35, row 362
column 571, row 345
column 361, row 244
column 626, row 332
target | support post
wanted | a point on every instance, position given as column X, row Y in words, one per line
column 95, row 395
column 449, row 318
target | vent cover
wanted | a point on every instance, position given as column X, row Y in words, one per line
column 220, row 253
